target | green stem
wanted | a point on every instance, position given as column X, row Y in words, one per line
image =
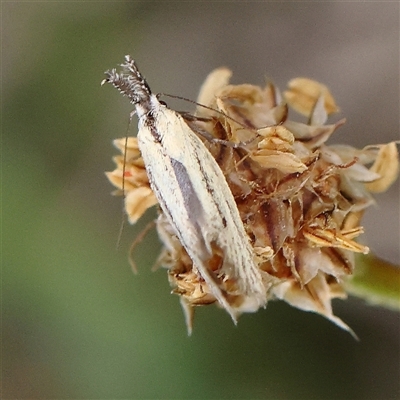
column 376, row 281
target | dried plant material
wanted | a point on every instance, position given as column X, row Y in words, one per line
column 300, row 200
column 284, row 162
column 215, row 80
column 132, row 148
column 386, row 166
column 137, row 201
column 304, row 93
column 130, row 176
column 317, row 298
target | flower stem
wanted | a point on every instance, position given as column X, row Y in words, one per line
column 375, row 280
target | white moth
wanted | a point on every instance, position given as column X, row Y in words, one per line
column 192, row 192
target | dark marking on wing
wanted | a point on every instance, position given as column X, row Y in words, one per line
column 151, row 124
column 191, row 201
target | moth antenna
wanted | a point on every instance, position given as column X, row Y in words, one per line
column 204, row 106
column 130, row 82
column 208, row 136
column 121, row 229
column 205, row 134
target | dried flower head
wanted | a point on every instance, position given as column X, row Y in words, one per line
column 300, row 200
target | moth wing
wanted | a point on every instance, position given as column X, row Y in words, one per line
column 170, row 169
column 210, row 208
column 229, row 233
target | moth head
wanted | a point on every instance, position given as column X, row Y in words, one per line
column 130, row 82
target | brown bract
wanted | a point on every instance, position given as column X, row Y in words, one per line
column 300, row 200
column 131, row 179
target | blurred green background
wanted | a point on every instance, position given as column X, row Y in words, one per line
column 76, row 323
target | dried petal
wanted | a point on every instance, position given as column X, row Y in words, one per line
column 137, row 201
column 317, row 298
column 131, row 145
column 285, row 162
column 330, row 238
column 386, row 166
column 215, row 81
column 304, row 93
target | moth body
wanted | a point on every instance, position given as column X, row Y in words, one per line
column 193, row 194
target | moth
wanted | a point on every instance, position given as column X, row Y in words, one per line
column 193, row 194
